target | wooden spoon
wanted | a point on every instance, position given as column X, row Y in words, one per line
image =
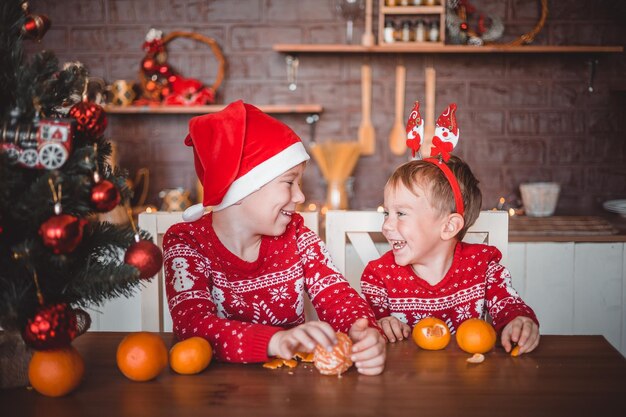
column 367, row 135
column 429, row 120
column 397, row 136
column 368, row 36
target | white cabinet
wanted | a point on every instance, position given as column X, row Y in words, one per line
column 574, row 288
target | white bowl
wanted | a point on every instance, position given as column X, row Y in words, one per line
column 540, row 198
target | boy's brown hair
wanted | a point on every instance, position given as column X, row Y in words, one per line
column 432, row 179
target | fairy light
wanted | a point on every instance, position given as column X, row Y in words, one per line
column 380, row 209
column 312, row 207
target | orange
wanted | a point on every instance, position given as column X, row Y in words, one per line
column 431, row 333
column 191, row 356
column 336, row 361
column 476, row 336
column 56, row 372
column 141, row 356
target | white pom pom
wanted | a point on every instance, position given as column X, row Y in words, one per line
column 193, row 213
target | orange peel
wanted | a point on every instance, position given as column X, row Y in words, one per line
column 476, row 358
column 279, row 363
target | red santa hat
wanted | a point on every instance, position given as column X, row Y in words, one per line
column 237, row 151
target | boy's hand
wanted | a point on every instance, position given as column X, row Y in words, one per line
column 302, row 338
column 368, row 348
column 394, row 329
column 523, row 331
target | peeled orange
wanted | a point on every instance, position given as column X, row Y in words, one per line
column 191, row 356
column 56, row 372
column 431, row 333
column 338, row 360
column 141, row 356
column 476, row 336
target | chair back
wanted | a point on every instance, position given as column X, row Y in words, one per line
column 358, row 227
column 155, row 314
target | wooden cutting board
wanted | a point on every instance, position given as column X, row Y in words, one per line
column 560, row 226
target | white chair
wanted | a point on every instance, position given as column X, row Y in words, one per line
column 491, row 227
column 154, row 310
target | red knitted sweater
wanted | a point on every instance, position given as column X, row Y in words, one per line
column 237, row 305
column 474, row 281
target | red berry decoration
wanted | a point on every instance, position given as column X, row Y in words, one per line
column 90, row 118
column 105, row 196
column 62, row 233
column 146, row 257
column 53, row 326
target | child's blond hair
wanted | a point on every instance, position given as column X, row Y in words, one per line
column 434, row 182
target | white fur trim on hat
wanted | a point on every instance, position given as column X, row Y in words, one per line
column 263, row 173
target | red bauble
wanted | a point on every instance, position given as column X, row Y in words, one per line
column 146, row 257
column 52, row 327
column 105, row 196
column 90, row 118
column 62, row 233
column 35, row 26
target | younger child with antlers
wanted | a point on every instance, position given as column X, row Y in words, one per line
column 429, row 205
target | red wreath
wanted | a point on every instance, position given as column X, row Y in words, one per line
column 162, row 84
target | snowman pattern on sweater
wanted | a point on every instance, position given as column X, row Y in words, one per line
column 181, row 278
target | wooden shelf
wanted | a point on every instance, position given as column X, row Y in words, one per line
column 412, row 10
column 438, row 48
column 267, row 108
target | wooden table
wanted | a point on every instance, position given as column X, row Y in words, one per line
column 565, row 376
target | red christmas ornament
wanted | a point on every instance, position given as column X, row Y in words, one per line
column 146, row 257
column 105, row 196
column 55, row 326
column 35, row 25
column 90, row 118
column 62, row 233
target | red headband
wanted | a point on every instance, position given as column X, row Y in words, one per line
column 454, row 184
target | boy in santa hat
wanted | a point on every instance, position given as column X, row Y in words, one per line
column 429, row 272
column 237, row 275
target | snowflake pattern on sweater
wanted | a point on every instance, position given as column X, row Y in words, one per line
column 476, row 281
column 237, row 305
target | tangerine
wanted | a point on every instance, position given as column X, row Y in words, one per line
column 141, row 356
column 56, row 372
column 431, row 333
column 336, row 361
column 476, row 336
column 191, row 356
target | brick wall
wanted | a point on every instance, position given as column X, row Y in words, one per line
column 523, row 117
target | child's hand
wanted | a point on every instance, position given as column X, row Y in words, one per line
column 523, row 331
column 394, row 329
column 302, row 338
column 368, row 348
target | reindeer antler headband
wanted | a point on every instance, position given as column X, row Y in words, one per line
column 444, row 140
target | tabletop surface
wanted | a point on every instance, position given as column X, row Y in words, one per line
column 565, row 376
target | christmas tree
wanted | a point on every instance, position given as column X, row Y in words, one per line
column 55, row 257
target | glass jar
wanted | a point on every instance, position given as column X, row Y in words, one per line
column 406, row 31
column 433, row 33
column 420, row 31
column 389, row 32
